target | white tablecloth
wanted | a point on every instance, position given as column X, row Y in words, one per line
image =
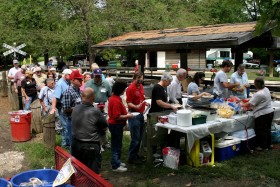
column 197, row 132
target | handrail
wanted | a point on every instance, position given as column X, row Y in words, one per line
column 149, row 69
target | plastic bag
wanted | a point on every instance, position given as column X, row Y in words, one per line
column 275, row 134
column 171, row 157
column 216, row 103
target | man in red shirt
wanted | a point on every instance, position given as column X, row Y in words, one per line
column 135, row 99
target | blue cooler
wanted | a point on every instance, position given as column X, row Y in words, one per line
column 227, row 148
column 247, row 139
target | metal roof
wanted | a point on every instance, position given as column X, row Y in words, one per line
column 200, row 36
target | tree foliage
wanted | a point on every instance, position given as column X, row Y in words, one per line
column 67, row 27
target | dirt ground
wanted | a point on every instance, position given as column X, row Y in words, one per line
column 12, row 161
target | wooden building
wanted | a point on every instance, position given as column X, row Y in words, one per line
column 189, row 44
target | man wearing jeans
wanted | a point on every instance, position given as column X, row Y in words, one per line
column 61, row 86
column 136, row 103
column 71, row 98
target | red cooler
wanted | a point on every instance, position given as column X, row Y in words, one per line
column 20, row 122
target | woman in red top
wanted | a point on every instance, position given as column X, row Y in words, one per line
column 117, row 120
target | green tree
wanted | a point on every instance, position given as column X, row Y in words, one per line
column 41, row 24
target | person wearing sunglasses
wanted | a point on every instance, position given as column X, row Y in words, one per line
column 39, row 77
column 71, row 98
column 29, row 89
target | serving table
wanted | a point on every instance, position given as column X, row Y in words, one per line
column 238, row 122
column 196, row 132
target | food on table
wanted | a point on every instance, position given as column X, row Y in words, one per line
column 225, row 112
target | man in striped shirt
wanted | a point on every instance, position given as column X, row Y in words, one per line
column 71, row 98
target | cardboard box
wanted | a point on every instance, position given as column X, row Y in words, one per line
column 196, row 157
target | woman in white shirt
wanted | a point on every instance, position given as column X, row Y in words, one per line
column 263, row 114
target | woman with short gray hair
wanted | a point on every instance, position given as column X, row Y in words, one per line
column 166, row 77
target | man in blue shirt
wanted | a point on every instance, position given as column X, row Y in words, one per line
column 240, row 77
column 60, row 87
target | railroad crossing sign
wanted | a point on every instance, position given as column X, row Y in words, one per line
column 14, row 49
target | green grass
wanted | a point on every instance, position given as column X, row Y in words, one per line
column 39, row 59
column 37, row 155
column 253, row 166
column 260, row 167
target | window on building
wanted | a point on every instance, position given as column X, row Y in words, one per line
column 224, row 54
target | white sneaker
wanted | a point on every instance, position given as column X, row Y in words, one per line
column 123, row 164
column 120, row 169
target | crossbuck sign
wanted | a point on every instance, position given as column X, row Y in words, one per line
column 14, row 49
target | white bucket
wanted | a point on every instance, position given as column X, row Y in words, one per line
column 184, row 118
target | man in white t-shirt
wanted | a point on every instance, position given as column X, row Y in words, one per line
column 12, row 72
column 174, row 90
column 221, row 84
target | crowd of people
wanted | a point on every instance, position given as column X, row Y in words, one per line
column 80, row 99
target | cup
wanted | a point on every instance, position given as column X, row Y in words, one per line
column 95, row 105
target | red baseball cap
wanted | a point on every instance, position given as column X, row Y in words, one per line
column 76, row 75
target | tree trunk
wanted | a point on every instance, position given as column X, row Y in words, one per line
column 85, row 14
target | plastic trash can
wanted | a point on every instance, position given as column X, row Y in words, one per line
column 20, row 122
column 45, row 175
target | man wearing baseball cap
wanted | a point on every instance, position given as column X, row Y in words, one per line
column 71, row 98
column 19, row 76
column 103, row 91
column 12, row 72
column 61, row 86
column 39, row 77
column 102, row 88
column 53, row 70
